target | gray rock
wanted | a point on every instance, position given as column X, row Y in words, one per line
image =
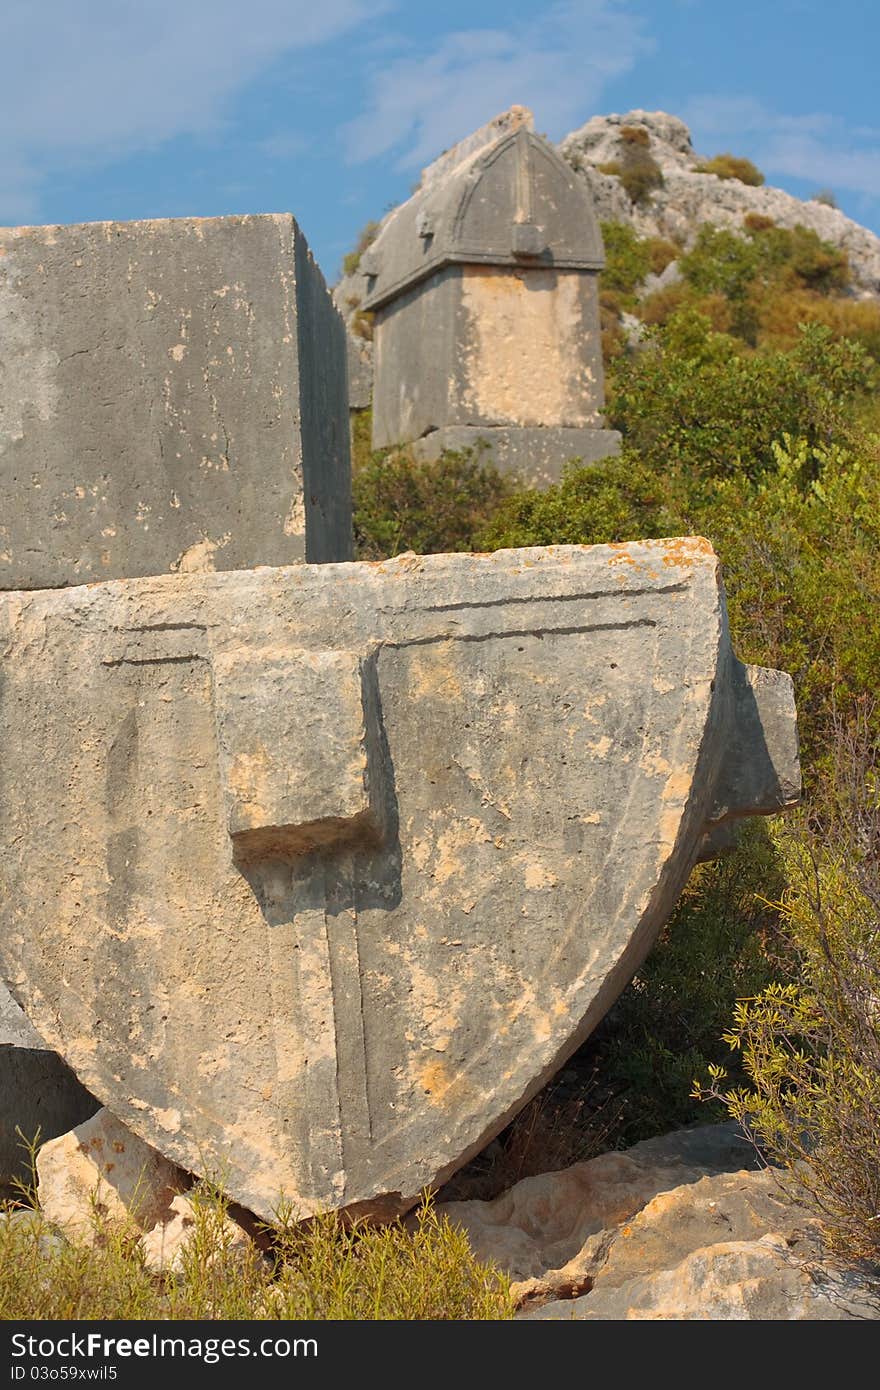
column 688, row 198
column 484, row 290
column 101, row 1175
column 172, row 397
column 344, row 861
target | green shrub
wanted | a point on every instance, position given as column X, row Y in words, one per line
column 618, row 499
column 729, row 166
column 810, row 1047
column 765, row 264
column 641, row 176
column 638, row 171
column 661, row 253
column 667, row 1027
column 401, row 504
column 695, row 399
column 627, row 258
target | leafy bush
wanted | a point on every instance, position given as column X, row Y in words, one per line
column 402, row 504
column 636, row 167
column 729, row 166
column 627, row 258
column 668, row 1026
column 695, row 399
column 810, row 1047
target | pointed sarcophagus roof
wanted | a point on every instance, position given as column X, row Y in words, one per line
column 502, row 197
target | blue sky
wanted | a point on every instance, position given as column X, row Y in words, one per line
column 329, row 108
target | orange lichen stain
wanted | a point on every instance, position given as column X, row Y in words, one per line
column 677, row 786
column 684, row 551
column 439, row 1081
column 621, row 553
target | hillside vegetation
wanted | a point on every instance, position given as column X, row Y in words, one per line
column 745, row 391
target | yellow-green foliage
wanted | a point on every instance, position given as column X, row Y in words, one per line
column 729, row 166
column 322, row 1270
column 627, row 258
column 810, row 1047
column 773, row 453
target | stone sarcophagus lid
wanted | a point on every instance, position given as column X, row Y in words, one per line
column 484, row 288
column 316, row 874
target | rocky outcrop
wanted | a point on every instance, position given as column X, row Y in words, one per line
column 689, row 198
column 686, row 1226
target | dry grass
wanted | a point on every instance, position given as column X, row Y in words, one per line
column 322, row 1270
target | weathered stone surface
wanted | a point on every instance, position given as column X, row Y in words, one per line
column 663, row 1231
column 39, row 1094
column 335, row 964
column 101, row 1166
column 172, row 397
column 165, row 1246
column 484, row 291
column 537, row 456
column 360, row 372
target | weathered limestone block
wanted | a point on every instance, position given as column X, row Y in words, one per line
column 165, row 1246
column 102, row 1169
column 315, row 875
column 484, row 290
column 172, row 397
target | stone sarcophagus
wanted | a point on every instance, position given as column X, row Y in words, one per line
column 484, row 290
column 315, row 874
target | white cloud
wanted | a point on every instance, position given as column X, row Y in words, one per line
column 558, row 63
column 816, row 146
column 104, row 78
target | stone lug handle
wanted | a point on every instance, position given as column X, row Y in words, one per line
column 295, row 730
column 760, row 772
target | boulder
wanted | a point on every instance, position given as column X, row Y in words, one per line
column 664, row 1230
column 689, row 198
column 165, row 1246
column 101, row 1170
